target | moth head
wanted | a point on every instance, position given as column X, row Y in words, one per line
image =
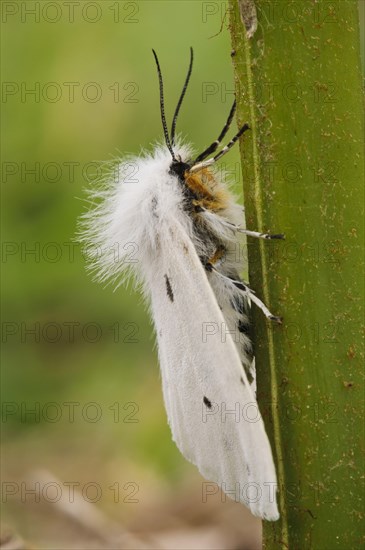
column 178, row 168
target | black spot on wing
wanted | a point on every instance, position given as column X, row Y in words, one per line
column 170, row 294
column 207, row 402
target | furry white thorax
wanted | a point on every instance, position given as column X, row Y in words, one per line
column 132, row 211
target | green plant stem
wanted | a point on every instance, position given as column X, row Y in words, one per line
column 298, row 85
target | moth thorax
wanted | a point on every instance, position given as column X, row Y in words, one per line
column 205, row 188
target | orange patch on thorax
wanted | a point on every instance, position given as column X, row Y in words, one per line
column 203, row 185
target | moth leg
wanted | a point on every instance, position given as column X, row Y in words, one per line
column 247, row 232
column 218, row 255
column 250, row 294
column 259, row 235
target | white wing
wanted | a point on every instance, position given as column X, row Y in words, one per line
column 212, row 410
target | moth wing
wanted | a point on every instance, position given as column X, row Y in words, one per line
column 212, row 411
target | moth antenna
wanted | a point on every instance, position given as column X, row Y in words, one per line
column 162, row 107
column 174, row 120
column 213, row 147
column 212, row 160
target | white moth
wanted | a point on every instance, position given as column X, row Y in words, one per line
column 185, row 225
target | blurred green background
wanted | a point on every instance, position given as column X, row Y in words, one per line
column 80, row 88
column 95, row 96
